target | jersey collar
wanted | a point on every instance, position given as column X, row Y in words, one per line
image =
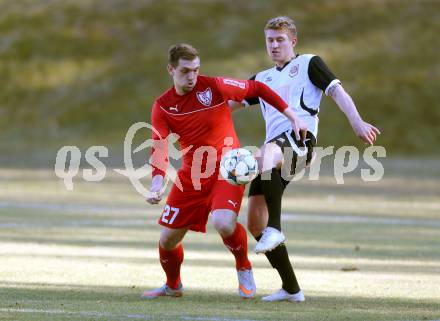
column 281, row 68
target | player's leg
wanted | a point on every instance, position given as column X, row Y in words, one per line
column 171, row 258
column 272, row 188
column 269, row 156
column 233, row 235
column 226, row 203
column 171, row 254
column 180, row 214
column 278, row 257
column 257, row 215
column 235, row 239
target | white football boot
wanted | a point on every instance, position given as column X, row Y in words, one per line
column 282, row 295
column 164, row 290
column 246, row 284
column 270, row 239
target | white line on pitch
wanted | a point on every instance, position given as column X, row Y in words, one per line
column 111, row 315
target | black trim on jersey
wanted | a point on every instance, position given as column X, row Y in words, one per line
column 253, row 100
column 311, row 111
column 264, row 105
column 319, row 74
column 281, row 68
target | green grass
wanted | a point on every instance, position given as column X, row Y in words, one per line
column 89, row 253
column 81, row 72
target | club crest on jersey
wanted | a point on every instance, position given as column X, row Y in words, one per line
column 294, row 71
column 205, row 97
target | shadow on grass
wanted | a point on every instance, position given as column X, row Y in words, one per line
column 411, row 268
column 67, row 302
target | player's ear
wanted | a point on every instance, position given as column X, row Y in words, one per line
column 294, row 41
column 170, row 69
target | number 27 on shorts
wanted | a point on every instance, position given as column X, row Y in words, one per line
column 173, row 211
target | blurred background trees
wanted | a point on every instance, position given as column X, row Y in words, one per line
column 81, row 72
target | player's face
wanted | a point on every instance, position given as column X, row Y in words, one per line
column 185, row 75
column 280, row 47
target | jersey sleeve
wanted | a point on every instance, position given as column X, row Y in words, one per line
column 160, row 132
column 320, row 75
column 234, row 89
column 251, row 100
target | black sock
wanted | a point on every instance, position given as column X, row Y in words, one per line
column 273, row 192
column 279, row 259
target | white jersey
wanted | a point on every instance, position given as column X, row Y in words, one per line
column 300, row 83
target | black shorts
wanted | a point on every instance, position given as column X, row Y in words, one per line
column 289, row 167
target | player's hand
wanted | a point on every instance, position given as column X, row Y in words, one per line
column 154, row 197
column 299, row 128
column 155, row 194
column 365, row 131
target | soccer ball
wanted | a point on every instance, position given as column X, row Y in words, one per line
column 238, row 166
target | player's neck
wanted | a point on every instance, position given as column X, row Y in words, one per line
column 179, row 91
column 283, row 63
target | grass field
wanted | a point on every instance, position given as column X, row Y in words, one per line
column 362, row 251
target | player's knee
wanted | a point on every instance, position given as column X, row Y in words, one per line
column 167, row 242
column 271, row 157
column 224, row 221
column 224, row 227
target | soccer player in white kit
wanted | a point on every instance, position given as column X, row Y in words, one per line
column 300, row 80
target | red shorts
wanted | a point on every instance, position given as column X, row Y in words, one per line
column 190, row 208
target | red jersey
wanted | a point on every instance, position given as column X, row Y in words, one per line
column 202, row 118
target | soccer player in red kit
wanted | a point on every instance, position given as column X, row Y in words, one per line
column 196, row 109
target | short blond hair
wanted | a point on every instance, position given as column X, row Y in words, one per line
column 283, row 23
column 181, row 51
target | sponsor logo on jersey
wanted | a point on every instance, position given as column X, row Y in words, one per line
column 233, row 203
column 235, row 83
column 205, row 97
column 268, row 79
column 173, row 108
column 293, row 71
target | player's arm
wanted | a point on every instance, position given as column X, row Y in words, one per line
column 234, row 89
column 238, row 105
column 159, row 154
column 365, row 131
column 321, row 76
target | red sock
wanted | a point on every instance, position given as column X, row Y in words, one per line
column 171, row 262
column 237, row 244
